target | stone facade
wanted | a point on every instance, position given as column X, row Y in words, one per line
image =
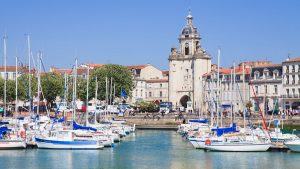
column 233, row 88
column 291, row 84
column 267, row 86
column 151, row 84
column 186, row 67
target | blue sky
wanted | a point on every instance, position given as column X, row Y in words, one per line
column 140, row 31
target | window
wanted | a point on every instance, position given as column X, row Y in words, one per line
column 293, row 79
column 160, row 94
column 6, row 75
column 150, row 94
column 136, row 93
column 293, row 90
column 14, row 76
column 293, row 68
column 256, row 89
column 141, row 93
column 275, row 74
column 287, row 92
column 275, row 89
column 256, row 75
column 266, row 89
column 160, row 85
column 186, row 49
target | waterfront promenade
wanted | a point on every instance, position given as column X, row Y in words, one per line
column 172, row 120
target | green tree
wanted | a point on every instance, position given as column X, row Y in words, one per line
column 23, row 85
column 249, row 105
column 121, row 77
column 11, row 89
column 52, row 85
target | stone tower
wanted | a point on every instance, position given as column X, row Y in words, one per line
column 186, row 67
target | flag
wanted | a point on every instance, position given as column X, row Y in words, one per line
column 123, row 93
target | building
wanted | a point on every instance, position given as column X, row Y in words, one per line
column 150, row 83
column 232, row 92
column 186, row 67
column 11, row 72
column 266, row 81
column 291, row 83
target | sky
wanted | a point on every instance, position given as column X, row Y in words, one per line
column 139, row 31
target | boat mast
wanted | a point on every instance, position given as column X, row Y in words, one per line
column 244, row 93
column 231, row 94
column 234, row 90
column 39, row 81
column 74, row 93
column 96, row 92
column 110, row 91
column 5, row 73
column 218, row 90
column 87, row 96
column 16, row 104
column 29, row 73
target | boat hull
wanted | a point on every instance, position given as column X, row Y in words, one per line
column 238, row 147
column 51, row 144
column 194, row 143
column 9, row 144
column 293, row 145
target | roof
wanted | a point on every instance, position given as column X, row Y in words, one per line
column 157, row 80
column 61, row 71
column 165, row 72
column 295, row 59
column 224, row 71
column 137, row 66
column 268, row 65
column 13, row 69
column 94, row 65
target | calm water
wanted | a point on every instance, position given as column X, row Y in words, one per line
column 147, row 149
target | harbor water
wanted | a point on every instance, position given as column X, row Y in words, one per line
column 146, row 149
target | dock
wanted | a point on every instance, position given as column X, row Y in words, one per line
column 157, row 127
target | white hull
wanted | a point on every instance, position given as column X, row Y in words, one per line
column 9, row 144
column 293, row 145
column 237, row 147
column 69, row 145
column 194, row 143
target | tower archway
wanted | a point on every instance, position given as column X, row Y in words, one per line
column 183, row 100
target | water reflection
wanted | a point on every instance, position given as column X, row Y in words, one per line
column 147, row 149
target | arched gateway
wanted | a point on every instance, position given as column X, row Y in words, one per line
column 184, row 99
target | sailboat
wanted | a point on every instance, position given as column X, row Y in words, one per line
column 293, row 145
column 67, row 139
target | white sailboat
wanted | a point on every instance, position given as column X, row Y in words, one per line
column 66, row 139
column 293, row 145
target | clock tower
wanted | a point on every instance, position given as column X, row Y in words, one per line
column 186, row 67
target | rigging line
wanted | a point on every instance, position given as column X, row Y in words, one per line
column 256, row 101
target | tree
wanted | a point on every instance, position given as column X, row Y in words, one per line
column 23, row 85
column 11, row 90
column 52, row 85
column 249, row 105
column 121, row 78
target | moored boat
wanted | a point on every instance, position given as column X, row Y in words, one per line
column 239, row 146
column 65, row 139
column 293, row 145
